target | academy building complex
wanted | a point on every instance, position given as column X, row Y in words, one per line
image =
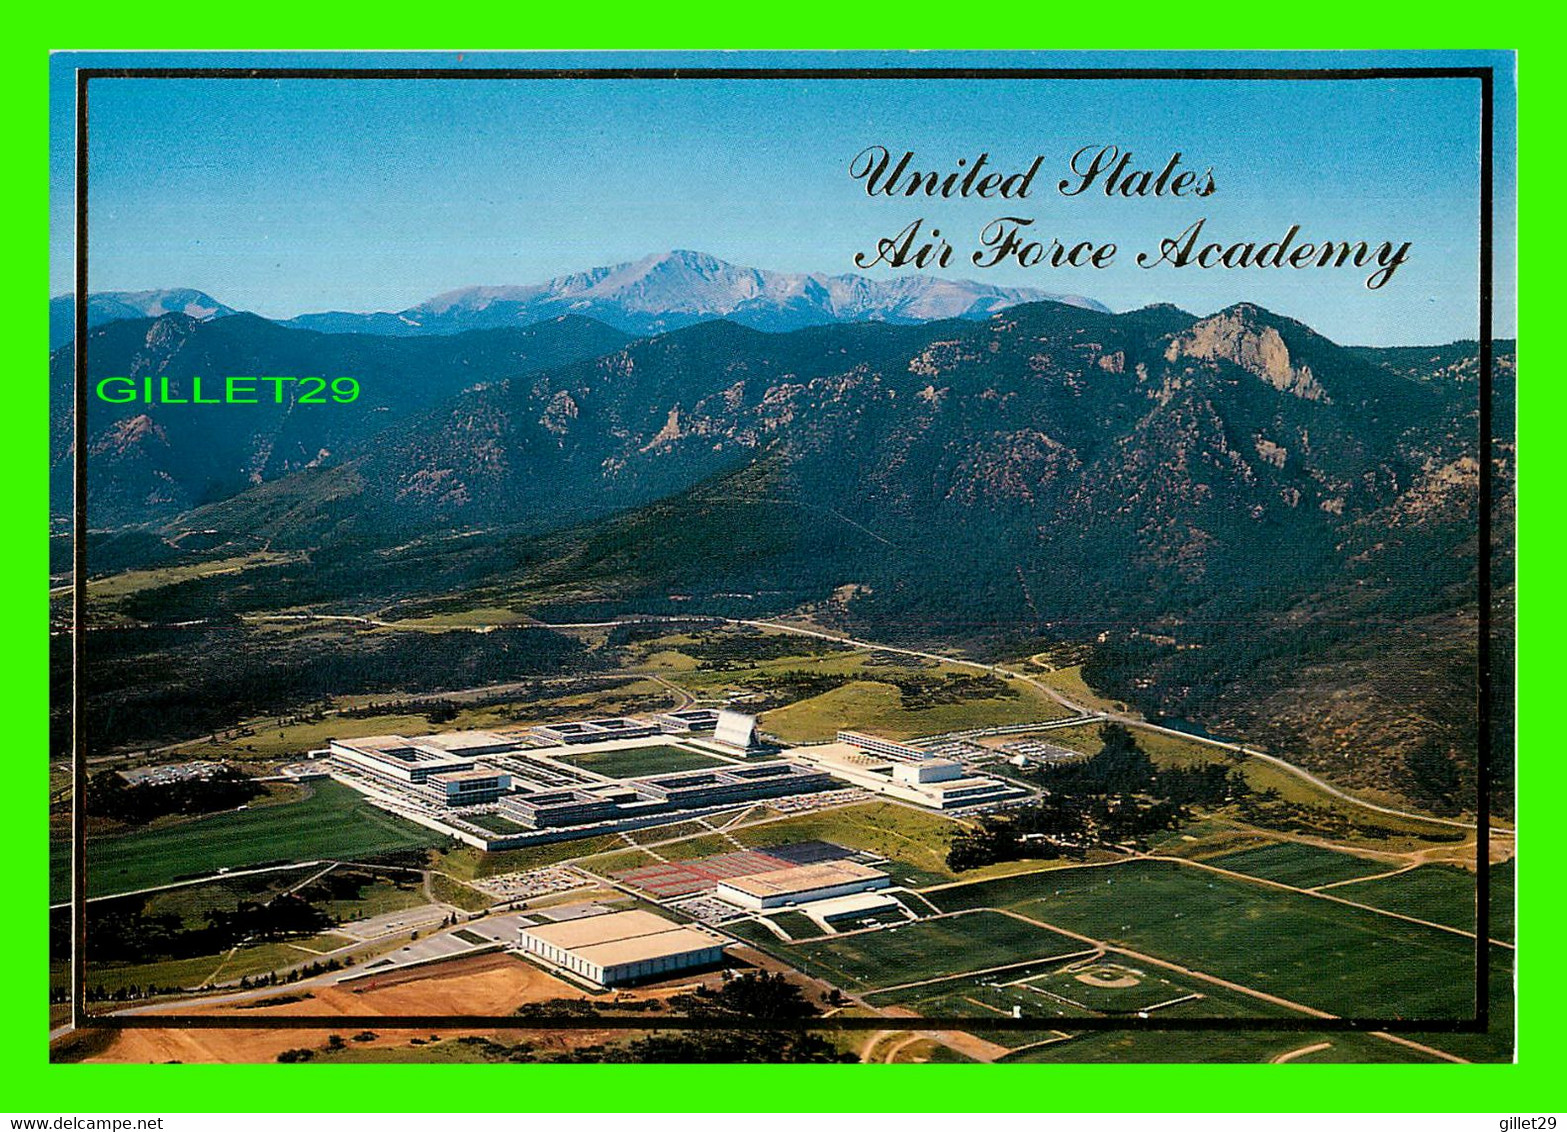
column 570, row 779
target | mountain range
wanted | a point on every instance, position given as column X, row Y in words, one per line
column 113, row 306
column 147, row 462
column 1250, row 525
column 649, row 296
column 1242, row 523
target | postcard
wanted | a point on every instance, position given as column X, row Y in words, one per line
column 778, row 558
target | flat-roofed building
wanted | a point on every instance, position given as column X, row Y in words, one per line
column 472, row 744
column 623, row 727
column 466, row 787
column 623, row 947
column 958, row 792
column 662, row 793
column 396, row 759
column 801, row 885
column 571, row 732
column 726, row 784
column 931, row 770
column 543, row 790
column 689, row 719
column 557, row 809
column 886, row 748
column 597, row 730
column 940, row 784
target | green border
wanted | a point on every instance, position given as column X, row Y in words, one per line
column 32, row 1084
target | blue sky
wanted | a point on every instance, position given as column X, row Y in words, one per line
column 286, row 196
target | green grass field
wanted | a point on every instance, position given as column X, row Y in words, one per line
column 256, row 959
column 333, row 821
column 619, row 860
column 915, row 840
column 1303, row 866
column 691, row 848
column 1443, row 894
column 1497, row 1043
column 928, row 949
column 636, row 762
column 987, row 996
column 1312, row 951
column 193, row 903
column 669, row 832
column 1069, row 681
column 454, row 892
column 1173, row 750
column 797, row 924
column 1178, row 1047
column 495, row 823
column 391, row 893
column 129, row 582
column 467, row 863
column 759, row 936
column 1152, row 986
column 871, row 705
column 267, row 741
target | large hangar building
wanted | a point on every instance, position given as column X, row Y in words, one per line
column 800, row 885
column 623, row 947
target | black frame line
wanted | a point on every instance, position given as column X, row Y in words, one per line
column 80, row 1017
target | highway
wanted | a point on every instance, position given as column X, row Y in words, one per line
column 1089, row 714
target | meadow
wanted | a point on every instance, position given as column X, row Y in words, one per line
column 330, row 821
column 636, row 762
column 1316, row 952
column 926, row 949
column 1298, row 865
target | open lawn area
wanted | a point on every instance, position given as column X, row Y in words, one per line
column 252, row 960
column 1302, row 866
column 1443, row 894
column 1312, row 951
column 1069, row 682
column 877, row 707
column 915, row 840
column 495, row 823
column 467, row 863
column 1176, row 1047
column 193, row 903
column 331, row 821
column 266, row 741
column 454, row 892
column 127, row 582
column 392, row 893
column 928, row 949
column 797, row 924
column 1031, row 991
column 636, row 762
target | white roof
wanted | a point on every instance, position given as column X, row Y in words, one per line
column 736, row 729
column 802, row 878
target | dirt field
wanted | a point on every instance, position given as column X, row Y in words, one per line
column 483, row 984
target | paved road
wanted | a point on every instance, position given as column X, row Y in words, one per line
column 1083, row 710
column 199, row 880
column 1128, row 720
